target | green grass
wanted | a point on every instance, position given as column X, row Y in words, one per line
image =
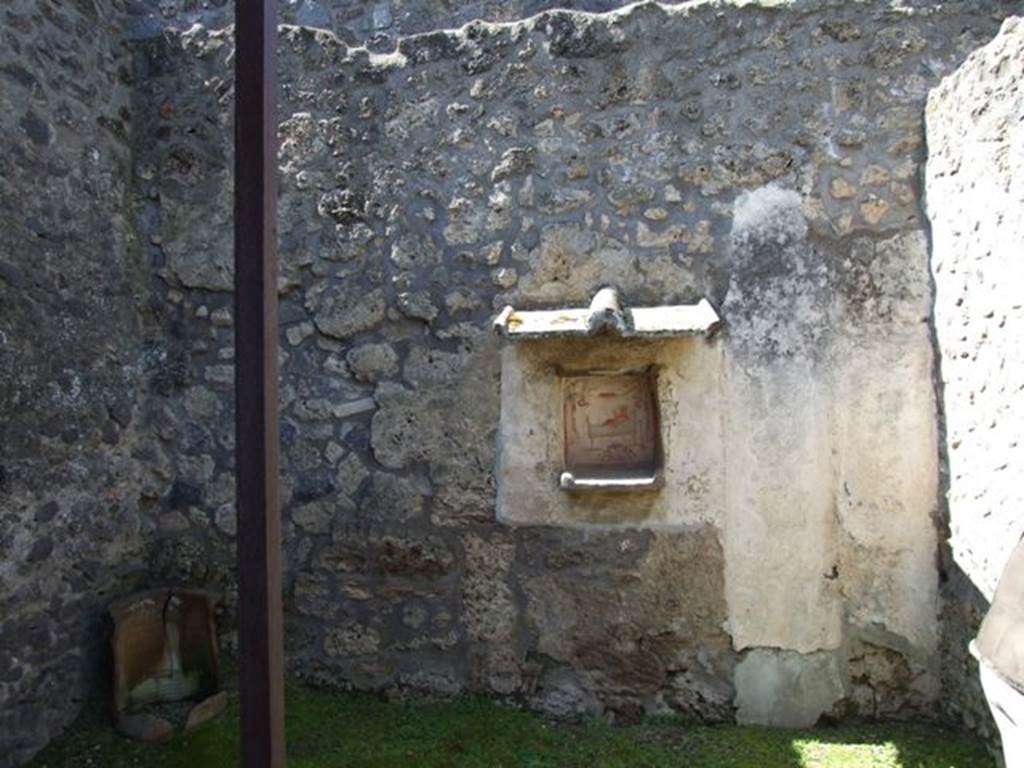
column 330, row 730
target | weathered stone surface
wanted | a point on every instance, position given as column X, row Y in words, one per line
column 884, row 681
column 428, row 194
column 351, row 640
column 417, row 305
column 411, row 252
column 562, row 695
column 350, row 476
column 972, row 189
column 488, row 610
column 786, row 688
column 318, row 516
column 660, row 614
column 198, row 242
column 528, row 162
column 403, row 430
column 571, row 264
column 372, row 362
column 974, row 195
column 345, row 309
column 404, row 556
column 74, row 528
column 392, row 498
column 514, row 161
column 429, row 369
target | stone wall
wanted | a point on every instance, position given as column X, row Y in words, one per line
column 376, row 24
column 975, row 195
column 763, row 156
column 71, row 518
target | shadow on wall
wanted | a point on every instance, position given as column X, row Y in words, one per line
column 963, row 608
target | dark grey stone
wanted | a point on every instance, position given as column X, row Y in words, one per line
column 37, row 129
column 41, row 550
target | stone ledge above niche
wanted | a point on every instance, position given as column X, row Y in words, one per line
column 610, row 416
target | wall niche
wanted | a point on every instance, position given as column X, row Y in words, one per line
column 610, row 415
column 611, row 433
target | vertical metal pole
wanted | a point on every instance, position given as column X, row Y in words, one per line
column 261, row 688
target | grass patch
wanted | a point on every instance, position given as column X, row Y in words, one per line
column 331, row 730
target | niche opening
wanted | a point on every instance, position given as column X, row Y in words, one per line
column 611, row 430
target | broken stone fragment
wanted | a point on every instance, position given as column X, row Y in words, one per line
column 372, row 362
column 396, row 499
column 841, row 189
column 206, row 710
column 461, row 300
column 342, row 205
column 504, row 277
column 351, row 640
column 874, row 209
column 515, row 161
column 345, row 309
column 417, row 305
column 652, row 238
column 465, row 221
column 145, row 727
column 411, row 252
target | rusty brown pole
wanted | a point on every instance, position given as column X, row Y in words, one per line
column 260, row 684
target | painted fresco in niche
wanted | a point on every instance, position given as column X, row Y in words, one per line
column 610, row 425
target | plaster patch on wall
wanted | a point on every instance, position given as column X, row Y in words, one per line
column 532, row 444
column 788, row 689
column 769, row 214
